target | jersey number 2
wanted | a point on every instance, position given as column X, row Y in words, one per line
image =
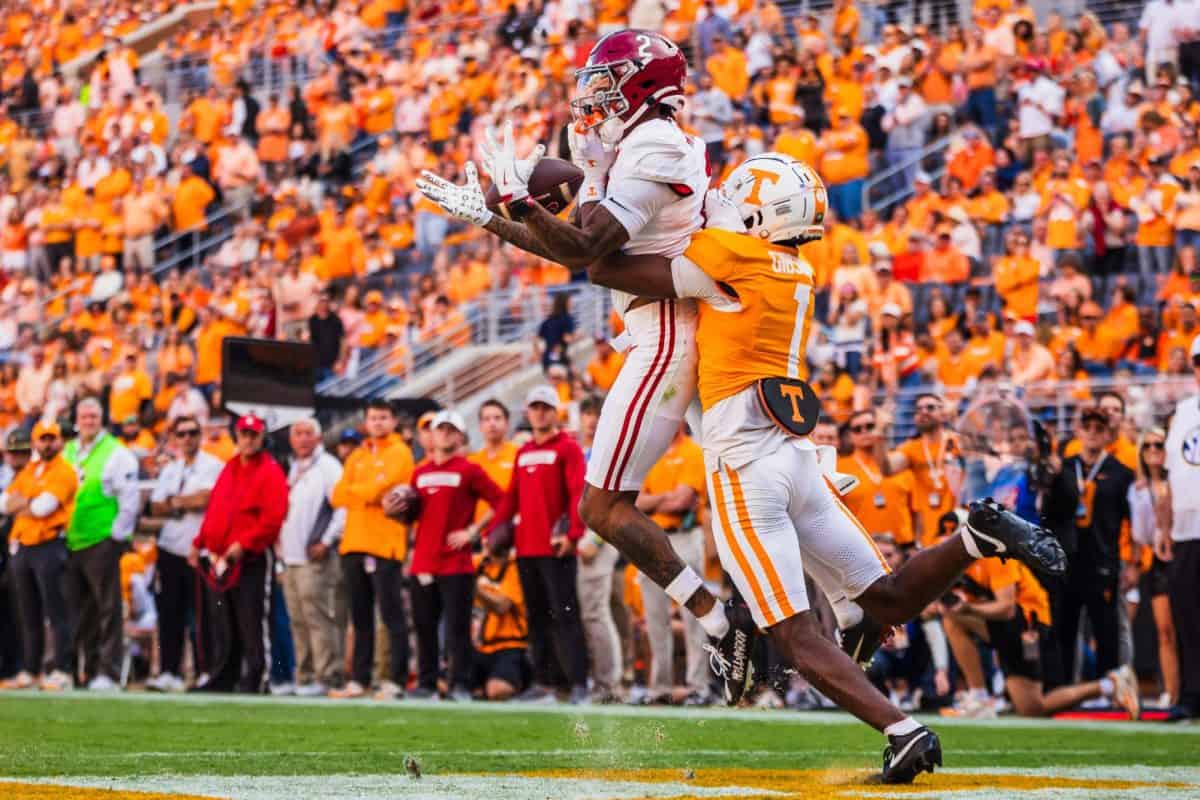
column 796, row 356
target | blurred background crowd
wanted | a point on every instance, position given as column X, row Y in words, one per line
column 1015, row 200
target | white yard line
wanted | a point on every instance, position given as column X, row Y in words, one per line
column 519, row 787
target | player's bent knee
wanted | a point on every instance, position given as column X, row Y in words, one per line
column 599, row 508
column 884, row 603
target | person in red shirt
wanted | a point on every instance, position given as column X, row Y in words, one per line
column 546, row 486
column 443, row 571
column 246, row 509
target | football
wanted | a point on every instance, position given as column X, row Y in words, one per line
column 554, row 183
column 403, row 502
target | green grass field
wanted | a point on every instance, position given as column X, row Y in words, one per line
column 144, row 741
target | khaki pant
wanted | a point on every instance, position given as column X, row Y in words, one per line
column 689, row 545
column 310, row 592
column 594, row 585
column 140, row 251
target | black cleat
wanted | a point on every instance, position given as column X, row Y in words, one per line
column 730, row 657
column 908, row 756
column 999, row 532
column 862, row 640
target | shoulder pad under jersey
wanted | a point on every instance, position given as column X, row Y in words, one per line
column 659, row 151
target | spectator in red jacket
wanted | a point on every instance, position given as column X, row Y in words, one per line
column 246, row 509
column 450, row 488
column 545, row 490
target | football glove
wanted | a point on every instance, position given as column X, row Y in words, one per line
column 500, row 162
column 464, row 202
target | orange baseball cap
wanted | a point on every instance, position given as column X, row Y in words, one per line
column 46, row 428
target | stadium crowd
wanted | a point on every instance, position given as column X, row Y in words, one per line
column 1048, row 242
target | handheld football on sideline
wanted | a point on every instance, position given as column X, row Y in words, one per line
column 403, row 502
column 553, row 184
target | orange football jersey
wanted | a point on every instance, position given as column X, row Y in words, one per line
column 766, row 334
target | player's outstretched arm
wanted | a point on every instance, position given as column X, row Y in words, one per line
column 600, row 234
column 644, row 275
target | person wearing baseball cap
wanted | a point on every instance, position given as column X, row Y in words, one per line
column 545, row 491
column 448, row 488
column 17, row 451
column 373, row 550
column 246, row 509
column 1029, row 361
column 424, row 436
column 1087, row 506
column 39, row 500
column 102, row 521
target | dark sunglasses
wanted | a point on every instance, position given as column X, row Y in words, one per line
column 864, row 428
column 1154, row 446
column 251, row 434
column 1092, row 425
column 188, row 432
column 929, row 408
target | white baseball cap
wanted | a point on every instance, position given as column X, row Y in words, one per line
column 879, row 250
column 1196, row 347
column 448, row 417
column 1023, row 328
column 891, row 310
column 542, row 394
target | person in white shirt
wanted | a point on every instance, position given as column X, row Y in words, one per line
column 188, row 402
column 1040, row 102
column 1157, row 28
column 307, row 548
column 1179, row 543
column 906, row 125
column 180, row 495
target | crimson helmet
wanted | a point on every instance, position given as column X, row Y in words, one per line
column 627, row 73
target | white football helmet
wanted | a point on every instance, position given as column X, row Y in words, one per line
column 780, row 200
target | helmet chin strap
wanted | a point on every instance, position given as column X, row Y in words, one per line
column 612, row 130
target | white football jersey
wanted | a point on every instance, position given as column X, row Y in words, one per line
column 658, row 152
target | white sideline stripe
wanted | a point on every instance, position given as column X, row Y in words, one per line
column 556, row 753
column 781, row 717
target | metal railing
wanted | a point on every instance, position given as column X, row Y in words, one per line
column 892, row 186
column 1149, row 401
column 503, row 317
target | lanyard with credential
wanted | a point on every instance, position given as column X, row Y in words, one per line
column 1082, row 511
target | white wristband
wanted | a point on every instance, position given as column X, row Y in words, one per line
column 684, row 585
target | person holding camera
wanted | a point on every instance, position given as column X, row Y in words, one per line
column 180, row 496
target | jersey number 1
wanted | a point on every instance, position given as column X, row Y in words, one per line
column 796, row 356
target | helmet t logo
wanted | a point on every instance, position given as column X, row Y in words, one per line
column 760, row 176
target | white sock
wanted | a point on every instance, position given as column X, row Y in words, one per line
column 902, row 728
column 1107, row 687
column 978, row 694
column 715, row 623
column 969, row 542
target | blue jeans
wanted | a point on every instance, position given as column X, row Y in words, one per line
column 429, row 232
column 981, row 107
column 846, row 199
column 1154, row 261
column 283, row 651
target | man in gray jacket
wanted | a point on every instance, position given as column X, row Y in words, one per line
column 307, row 548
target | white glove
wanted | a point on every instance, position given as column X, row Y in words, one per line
column 465, row 202
column 500, row 162
column 590, row 155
